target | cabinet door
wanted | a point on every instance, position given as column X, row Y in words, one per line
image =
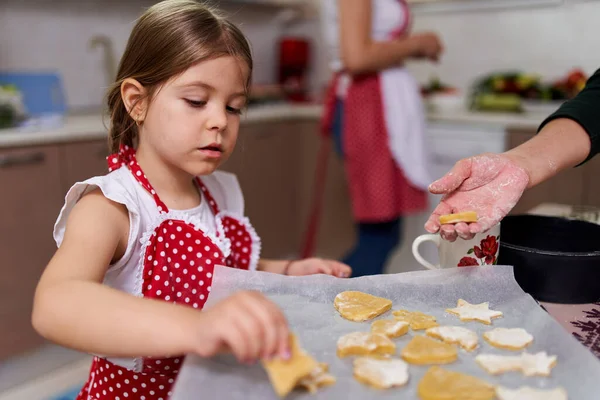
column 31, row 199
column 336, row 230
column 565, row 188
column 83, row 160
column 266, row 164
column 591, row 188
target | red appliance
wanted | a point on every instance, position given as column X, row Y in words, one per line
column 294, row 60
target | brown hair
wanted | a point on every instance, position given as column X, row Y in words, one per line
column 166, row 40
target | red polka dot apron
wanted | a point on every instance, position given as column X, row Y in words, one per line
column 379, row 190
column 178, row 264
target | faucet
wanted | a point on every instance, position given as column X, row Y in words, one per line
column 110, row 65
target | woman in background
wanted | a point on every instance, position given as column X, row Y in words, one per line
column 374, row 114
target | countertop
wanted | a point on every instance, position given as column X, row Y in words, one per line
column 84, row 127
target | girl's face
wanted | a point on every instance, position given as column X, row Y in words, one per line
column 192, row 121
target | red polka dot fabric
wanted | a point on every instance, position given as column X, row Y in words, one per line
column 179, row 261
column 378, row 187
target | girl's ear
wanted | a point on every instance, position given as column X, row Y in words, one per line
column 135, row 98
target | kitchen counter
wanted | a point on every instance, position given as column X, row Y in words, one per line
column 86, row 127
column 508, row 120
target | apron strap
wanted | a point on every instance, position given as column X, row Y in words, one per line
column 126, row 157
column 211, row 201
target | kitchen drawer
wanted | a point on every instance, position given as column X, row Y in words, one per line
column 30, row 202
column 450, row 143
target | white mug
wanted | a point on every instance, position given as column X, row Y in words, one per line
column 483, row 249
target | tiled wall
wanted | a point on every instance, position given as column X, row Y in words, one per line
column 55, row 35
column 544, row 40
column 46, row 34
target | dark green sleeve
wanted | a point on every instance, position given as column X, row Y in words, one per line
column 585, row 110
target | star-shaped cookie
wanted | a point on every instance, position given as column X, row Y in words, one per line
column 474, row 312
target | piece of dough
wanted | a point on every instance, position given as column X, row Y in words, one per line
column 363, row 344
column 508, row 338
column 467, row 216
column 390, row 328
column 416, row 319
column 441, row 384
column 528, row 393
column 539, row 364
column 359, row 306
column 474, row 312
column 423, row 350
column 318, row 378
column 381, row 373
column 285, row 374
column 464, row 337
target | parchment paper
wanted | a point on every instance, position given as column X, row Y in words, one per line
column 308, row 305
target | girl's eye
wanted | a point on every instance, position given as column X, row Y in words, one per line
column 232, row 110
column 195, row 103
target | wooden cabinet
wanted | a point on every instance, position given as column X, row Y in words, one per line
column 31, row 199
column 574, row 186
column 82, row 160
column 275, row 164
column 266, row 162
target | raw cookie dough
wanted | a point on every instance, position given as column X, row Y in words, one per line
column 528, row 393
column 467, row 216
column 539, row 364
column 285, row 374
column 422, row 350
column 319, row 377
column 474, row 312
column 441, row 384
column 465, row 338
column 416, row 319
column 390, row 328
column 508, row 338
column 363, row 344
column 381, row 373
column 359, row 306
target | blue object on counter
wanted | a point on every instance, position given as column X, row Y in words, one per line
column 42, row 92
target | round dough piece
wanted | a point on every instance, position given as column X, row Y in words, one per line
column 441, row 384
column 423, row 350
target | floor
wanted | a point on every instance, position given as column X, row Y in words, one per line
column 45, row 374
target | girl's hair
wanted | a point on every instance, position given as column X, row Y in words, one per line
column 166, row 40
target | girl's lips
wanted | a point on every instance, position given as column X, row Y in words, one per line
column 211, row 152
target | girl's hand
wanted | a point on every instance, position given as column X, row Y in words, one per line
column 247, row 324
column 311, row 266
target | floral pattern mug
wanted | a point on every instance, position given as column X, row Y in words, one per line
column 483, row 249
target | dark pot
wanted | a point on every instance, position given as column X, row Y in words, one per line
column 555, row 259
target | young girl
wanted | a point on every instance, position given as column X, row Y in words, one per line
column 137, row 247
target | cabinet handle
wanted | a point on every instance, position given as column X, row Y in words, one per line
column 11, row 160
